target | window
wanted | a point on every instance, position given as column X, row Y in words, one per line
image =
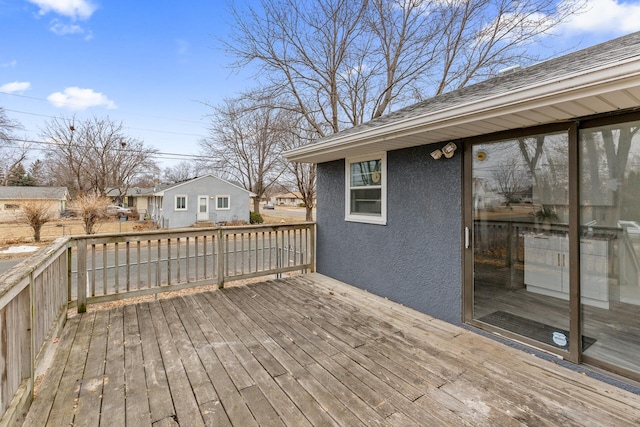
column 222, row 203
column 181, row 203
column 366, row 189
column 10, row 206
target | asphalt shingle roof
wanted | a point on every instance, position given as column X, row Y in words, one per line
column 47, row 193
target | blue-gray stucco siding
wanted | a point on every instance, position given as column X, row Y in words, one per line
column 416, row 258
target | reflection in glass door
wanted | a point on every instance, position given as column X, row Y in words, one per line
column 520, row 197
column 610, row 243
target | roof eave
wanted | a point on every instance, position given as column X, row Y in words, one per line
column 612, row 77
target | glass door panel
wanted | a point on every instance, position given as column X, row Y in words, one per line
column 520, row 193
column 610, row 243
column 203, row 208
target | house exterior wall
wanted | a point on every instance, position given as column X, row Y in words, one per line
column 211, row 187
column 415, row 259
column 288, row 201
column 141, row 203
column 10, row 208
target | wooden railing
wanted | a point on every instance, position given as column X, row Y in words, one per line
column 76, row 271
column 116, row 266
column 33, row 308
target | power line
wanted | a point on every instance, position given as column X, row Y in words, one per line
column 128, row 127
column 161, row 154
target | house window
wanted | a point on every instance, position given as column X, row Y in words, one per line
column 181, row 203
column 366, row 189
column 222, row 203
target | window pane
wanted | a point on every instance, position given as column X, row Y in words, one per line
column 181, row 202
column 520, row 236
column 366, row 173
column 610, row 242
column 366, row 201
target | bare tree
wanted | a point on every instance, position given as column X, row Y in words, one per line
column 606, row 159
column 94, row 155
column 148, row 177
column 183, row 171
column 510, row 178
column 7, row 126
column 12, row 151
column 246, row 142
column 37, row 173
column 303, row 175
column 36, row 213
column 339, row 63
column 92, row 208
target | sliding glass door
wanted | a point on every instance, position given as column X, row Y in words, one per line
column 520, row 237
column 553, row 252
column 610, row 242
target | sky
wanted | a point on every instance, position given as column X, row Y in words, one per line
column 154, row 65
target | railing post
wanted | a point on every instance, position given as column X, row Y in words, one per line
column 32, row 335
column 69, row 270
column 312, row 247
column 278, row 255
column 82, row 275
column 220, row 260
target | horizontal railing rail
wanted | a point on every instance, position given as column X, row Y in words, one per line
column 80, row 270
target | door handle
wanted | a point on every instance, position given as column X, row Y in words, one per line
column 467, row 238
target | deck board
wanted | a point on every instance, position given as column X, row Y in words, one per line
column 113, row 389
column 91, row 389
column 304, row 350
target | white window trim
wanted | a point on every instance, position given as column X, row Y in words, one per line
column 348, row 216
column 221, row 197
column 186, row 202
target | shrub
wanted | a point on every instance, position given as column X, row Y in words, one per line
column 255, row 218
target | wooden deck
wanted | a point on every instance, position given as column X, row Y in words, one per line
column 303, row 351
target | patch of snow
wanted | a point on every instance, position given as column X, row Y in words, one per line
column 19, row 249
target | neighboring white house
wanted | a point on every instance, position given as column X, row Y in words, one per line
column 288, row 199
column 203, row 199
column 12, row 198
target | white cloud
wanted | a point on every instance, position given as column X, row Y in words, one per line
column 605, row 17
column 77, row 98
column 60, row 29
column 15, row 87
column 74, row 9
column 9, row 64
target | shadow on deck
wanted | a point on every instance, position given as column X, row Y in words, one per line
column 304, row 350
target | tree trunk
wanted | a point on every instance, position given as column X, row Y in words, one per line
column 256, row 204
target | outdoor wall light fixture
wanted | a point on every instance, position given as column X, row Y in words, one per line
column 447, row 151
